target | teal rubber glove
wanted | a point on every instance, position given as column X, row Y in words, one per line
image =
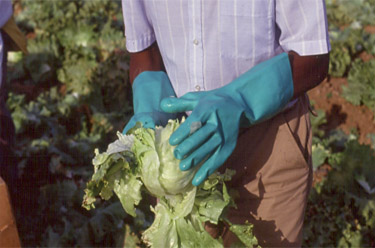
column 149, row 88
column 209, row 135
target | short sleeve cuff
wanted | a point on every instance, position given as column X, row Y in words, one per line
column 307, row 48
column 141, row 43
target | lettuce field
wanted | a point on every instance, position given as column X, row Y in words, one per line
column 71, row 94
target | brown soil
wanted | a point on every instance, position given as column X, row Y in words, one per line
column 339, row 112
column 370, row 29
column 366, row 56
column 321, row 173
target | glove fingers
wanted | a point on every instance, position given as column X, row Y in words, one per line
column 199, row 155
column 145, row 118
column 194, row 141
column 177, row 105
column 129, row 125
column 149, row 124
column 207, row 169
column 216, row 160
column 192, row 123
column 182, row 132
column 195, row 95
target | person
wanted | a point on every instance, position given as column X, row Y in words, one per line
column 11, row 39
column 240, row 70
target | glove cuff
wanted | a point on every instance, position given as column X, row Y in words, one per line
column 265, row 89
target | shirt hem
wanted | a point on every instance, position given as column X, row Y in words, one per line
column 307, row 48
column 140, row 44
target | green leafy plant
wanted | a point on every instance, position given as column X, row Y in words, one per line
column 340, row 60
column 361, row 85
column 343, row 12
column 70, row 95
column 341, row 209
column 143, row 161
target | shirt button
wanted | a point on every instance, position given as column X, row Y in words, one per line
column 196, row 42
column 197, row 88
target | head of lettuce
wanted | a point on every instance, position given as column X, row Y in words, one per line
column 143, row 161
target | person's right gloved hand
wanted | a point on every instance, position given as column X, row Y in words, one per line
column 149, row 88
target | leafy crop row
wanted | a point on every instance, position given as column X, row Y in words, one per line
column 71, row 94
column 341, row 208
column 349, row 40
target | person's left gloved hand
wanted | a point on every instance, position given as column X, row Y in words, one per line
column 254, row 96
column 149, row 88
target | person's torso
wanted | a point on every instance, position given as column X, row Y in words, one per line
column 206, row 44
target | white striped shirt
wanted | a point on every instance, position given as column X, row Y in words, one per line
column 205, row 44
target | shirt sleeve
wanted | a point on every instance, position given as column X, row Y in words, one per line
column 6, row 11
column 303, row 26
column 138, row 30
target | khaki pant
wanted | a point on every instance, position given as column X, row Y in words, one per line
column 273, row 177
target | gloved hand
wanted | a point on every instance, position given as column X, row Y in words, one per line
column 149, row 88
column 258, row 94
